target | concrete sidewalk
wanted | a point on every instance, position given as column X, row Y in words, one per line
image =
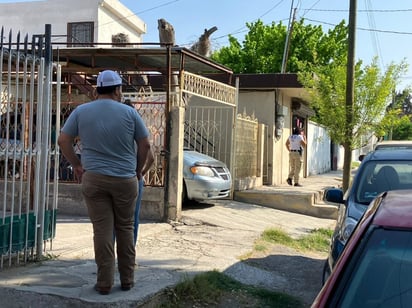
column 209, row 237
column 307, row 200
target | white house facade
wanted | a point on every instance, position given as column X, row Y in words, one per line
column 74, row 22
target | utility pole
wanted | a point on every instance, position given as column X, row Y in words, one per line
column 350, row 74
column 288, row 35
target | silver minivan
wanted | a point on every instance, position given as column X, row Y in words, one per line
column 393, row 145
column 380, row 171
column 204, row 177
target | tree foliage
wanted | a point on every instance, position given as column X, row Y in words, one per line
column 403, row 129
column 372, row 95
column 320, row 59
column 401, row 107
column 314, row 52
column 263, row 48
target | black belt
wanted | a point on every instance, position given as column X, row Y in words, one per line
column 294, row 150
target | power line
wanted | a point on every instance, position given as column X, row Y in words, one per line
column 372, row 30
column 264, row 14
column 238, row 31
column 310, row 9
column 373, row 34
column 361, row 11
column 137, row 13
column 361, row 28
column 155, row 7
column 243, row 30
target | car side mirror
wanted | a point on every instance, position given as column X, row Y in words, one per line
column 334, row 195
column 361, row 157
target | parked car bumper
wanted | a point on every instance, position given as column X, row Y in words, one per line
column 204, row 177
column 204, row 188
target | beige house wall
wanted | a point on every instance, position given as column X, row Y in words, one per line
column 262, row 105
column 281, row 169
column 280, row 152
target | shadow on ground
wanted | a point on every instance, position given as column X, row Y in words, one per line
column 282, row 269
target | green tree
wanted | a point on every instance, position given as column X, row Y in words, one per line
column 320, row 59
column 372, row 95
column 402, row 101
column 401, row 108
column 403, row 130
column 389, row 123
column 263, row 47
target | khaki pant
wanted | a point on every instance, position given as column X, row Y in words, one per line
column 295, row 164
column 111, row 203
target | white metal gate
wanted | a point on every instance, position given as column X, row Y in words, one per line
column 27, row 147
column 210, row 117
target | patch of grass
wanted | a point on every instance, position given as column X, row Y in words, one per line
column 355, row 164
column 261, row 247
column 316, row 240
column 214, row 289
column 49, row 256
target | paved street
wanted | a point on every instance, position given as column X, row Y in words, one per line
column 208, row 237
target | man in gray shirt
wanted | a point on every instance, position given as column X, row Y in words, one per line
column 109, row 172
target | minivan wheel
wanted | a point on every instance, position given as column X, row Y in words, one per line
column 326, row 272
column 184, row 193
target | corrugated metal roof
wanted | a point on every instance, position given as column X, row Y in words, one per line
column 92, row 60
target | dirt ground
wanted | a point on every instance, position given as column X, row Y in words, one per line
column 302, row 270
column 302, row 273
column 297, row 273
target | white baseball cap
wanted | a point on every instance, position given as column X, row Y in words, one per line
column 108, row 78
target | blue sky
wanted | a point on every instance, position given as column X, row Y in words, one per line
column 382, row 26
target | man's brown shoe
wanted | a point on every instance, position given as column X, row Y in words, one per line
column 126, row 286
column 102, row 290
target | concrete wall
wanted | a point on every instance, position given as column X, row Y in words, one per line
column 281, row 154
column 262, row 105
column 259, row 103
column 248, row 152
column 174, row 182
column 70, row 202
column 281, row 161
column 109, row 17
column 154, row 206
column 317, row 155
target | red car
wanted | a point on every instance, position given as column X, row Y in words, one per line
column 375, row 268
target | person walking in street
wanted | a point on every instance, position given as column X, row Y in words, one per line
column 109, row 174
column 77, row 147
column 295, row 144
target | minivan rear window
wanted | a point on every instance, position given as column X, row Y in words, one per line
column 380, row 176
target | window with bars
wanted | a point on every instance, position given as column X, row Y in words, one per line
column 80, row 34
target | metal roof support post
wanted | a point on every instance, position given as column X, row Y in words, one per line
column 175, row 176
column 174, row 149
column 168, row 131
